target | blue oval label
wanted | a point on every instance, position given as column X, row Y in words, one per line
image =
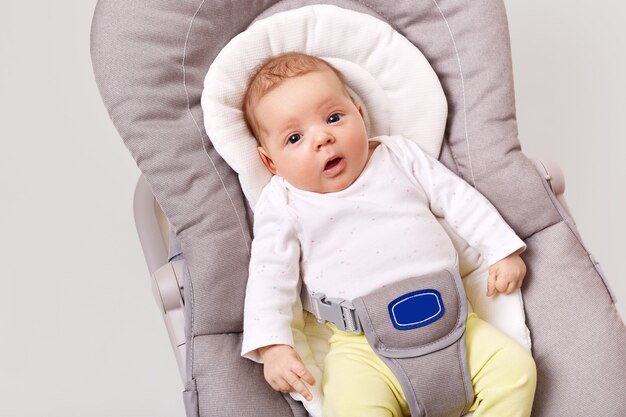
column 416, row 309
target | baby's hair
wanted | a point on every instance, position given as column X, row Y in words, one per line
column 272, row 72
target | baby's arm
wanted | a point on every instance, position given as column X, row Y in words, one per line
column 273, row 313
column 284, row 370
column 471, row 216
column 506, row 275
column 273, row 277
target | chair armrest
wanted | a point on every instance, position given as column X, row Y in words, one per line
column 146, row 220
column 167, row 287
column 553, row 174
column 167, row 277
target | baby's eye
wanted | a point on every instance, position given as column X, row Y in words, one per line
column 293, row 139
column 334, row 118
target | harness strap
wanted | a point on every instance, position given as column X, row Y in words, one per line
column 417, row 327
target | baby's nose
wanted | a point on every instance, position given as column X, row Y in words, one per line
column 323, row 138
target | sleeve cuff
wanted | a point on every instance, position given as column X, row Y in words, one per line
column 516, row 246
column 249, row 350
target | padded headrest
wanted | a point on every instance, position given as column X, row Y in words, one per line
column 386, row 73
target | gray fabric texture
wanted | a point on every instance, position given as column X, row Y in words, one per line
column 150, row 58
column 430, row 361
column 445, row 393
column 229, row 385
column 579, row 340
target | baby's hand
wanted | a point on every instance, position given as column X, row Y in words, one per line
column 285, row 371
column 506, row 275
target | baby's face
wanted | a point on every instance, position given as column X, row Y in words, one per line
column 312, row 133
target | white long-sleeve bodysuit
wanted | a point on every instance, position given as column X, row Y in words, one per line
column 381, row 229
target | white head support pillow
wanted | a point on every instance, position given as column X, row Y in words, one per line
column 399, row 91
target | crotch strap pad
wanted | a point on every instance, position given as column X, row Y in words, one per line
column 417, row 327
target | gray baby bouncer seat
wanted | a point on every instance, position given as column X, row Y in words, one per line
column 150, row 61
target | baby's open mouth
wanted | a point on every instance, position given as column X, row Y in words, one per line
column 332, row 163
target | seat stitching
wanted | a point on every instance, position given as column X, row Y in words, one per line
column 458, row 58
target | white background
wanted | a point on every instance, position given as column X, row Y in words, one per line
column 79, row 332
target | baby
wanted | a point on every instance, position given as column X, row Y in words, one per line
column 348, row 215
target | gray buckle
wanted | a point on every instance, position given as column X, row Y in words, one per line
column 337, row 311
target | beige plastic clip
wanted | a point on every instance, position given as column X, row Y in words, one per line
column 167, row 286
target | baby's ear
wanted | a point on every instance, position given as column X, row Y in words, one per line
column 360, row 109
column 267, row 161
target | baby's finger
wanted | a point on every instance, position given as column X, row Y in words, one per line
column 282, row 385
column 300, row 387
column 305, row 375
column 511, row 287
column 502, row 285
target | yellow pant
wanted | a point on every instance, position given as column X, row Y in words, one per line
column 357, row 383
